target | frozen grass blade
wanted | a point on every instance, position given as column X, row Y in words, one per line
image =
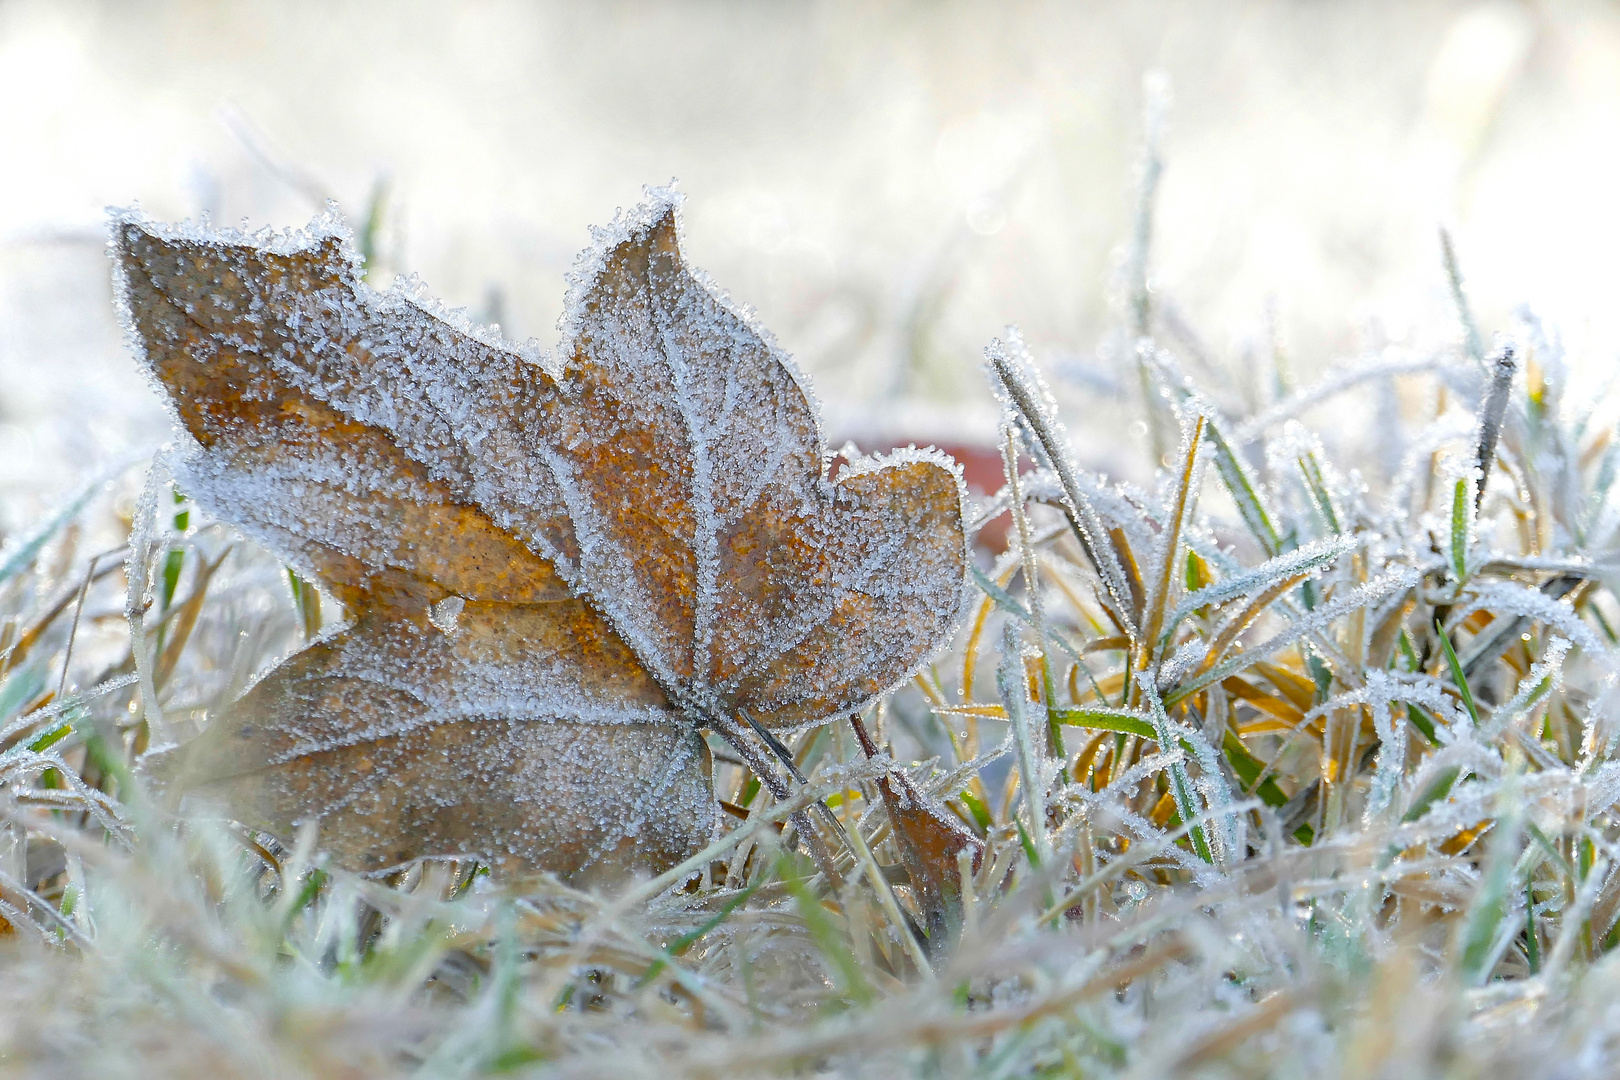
column 1459, row 678
column 1472, row 342
column 1462, row 527
column 1016, row 382
column 137, row 601
column 1163, row 585
column 1241, row 486
column 1501, row 365
column 1030, row 564
column 1010, row 679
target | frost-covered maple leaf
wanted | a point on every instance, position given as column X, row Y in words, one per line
column 557, row 573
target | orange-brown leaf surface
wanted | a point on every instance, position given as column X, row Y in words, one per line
column 558, row 570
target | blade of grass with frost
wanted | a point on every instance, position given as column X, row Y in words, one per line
column 1156, row 89
column 1507, row 597
column 1382, row 691
column 1168, row 550
column 1573, row 920
column 16, row 652
column 1032, row 579
column 1544, row 676
column 1020, row 384
column 1127, row 721
column 1180, row 783
column 1234, row 627
column 1160, row 591
column 1394, row 362
column 59, row 707
column 1441, row 786
column 1310, row 468
column 1313, row 556
column 898, row 922
column 1011, row 682
column 17, row 690
column 1253, row 775
column 1462, row 521
column 1363, row 595
column 307, row 603
column 796, row 801
column 673, row 950
column 371, row 230
column 488, row 1041
column 1009, row 604
column 1137, row 855
column 829, row 943
column 1458, row 677
column 1493, row 409
column 1479, row 946
column 16, row 899
column 137, row 573
column 1597, row 499
column 21, row 764
column 1244, row 493
column 780, row 784
column 1390, row 763
column 174, row 561
column 1459, row 297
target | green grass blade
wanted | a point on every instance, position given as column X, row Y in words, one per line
column 1460, row 527
column 1243, row 492
column 1457, row 675
column 1131, row 723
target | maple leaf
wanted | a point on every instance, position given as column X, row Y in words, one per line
column 557, row 573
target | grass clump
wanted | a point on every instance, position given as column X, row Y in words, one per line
column 1278, row 768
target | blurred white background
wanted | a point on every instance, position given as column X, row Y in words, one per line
column 889, row 184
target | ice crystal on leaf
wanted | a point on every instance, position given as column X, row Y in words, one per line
column 557, row 574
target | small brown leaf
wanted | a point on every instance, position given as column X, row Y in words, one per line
column 557, row 574
column 929, row 839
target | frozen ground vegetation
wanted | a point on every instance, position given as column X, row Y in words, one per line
column 1287, row 766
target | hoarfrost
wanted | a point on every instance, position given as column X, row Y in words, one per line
column 638, row 534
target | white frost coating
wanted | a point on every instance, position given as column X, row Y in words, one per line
column 1188, row 655
column 1288, row 455
column 138, row 599
column 443, row 615
column 1507, row 598
column 1393, row 360
column 1550, row 668
column 1317, row 621
column 1173, row 734
column 1120, row 506
column 1315, row 557
column 1454, row 427
column 1113, row 800
column 1024, row 394
column 1381, row 691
